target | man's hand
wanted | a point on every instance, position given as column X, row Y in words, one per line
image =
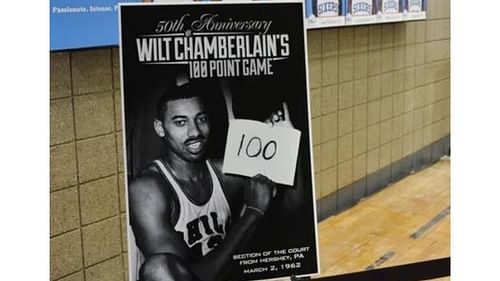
column 280, row 118
column 260, row 193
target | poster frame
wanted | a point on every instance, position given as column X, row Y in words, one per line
column 131, row 243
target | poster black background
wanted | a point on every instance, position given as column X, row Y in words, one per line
column 285, row 226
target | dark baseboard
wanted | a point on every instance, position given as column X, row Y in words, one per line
column 328, row 206
column 345, row 198
column 359, row 190
column 348, row 196
column 378, row 180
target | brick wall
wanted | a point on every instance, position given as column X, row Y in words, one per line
column 87, row 206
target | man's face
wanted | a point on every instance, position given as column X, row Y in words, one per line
column 186, row 128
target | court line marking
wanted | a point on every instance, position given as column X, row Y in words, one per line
column 381, row 260
column 431, row 223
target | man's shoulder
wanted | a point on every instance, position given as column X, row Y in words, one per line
column 148, row 183
column 150, row 174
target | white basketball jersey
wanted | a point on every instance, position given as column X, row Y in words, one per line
column 203, row 226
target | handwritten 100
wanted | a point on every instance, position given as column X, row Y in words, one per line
column 254, row 148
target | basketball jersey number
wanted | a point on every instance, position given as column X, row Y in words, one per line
column 212, row 243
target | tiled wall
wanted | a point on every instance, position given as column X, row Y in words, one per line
column 87, row 206
column 379, row 93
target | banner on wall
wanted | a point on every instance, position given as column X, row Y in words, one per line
column 83, row 23
column 218, row 140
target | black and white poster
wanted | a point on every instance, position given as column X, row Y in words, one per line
column 218, row 141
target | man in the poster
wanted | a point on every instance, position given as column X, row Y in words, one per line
column 188, row 217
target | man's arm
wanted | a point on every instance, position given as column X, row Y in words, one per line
column 258, row 195
column 150, row 218
column 149, row 213
column 292, row 198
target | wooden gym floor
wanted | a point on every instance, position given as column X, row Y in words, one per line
column 406, row 222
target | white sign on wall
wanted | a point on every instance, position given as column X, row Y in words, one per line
column 361, row 7
column 390, row 6
column 414, row 6
column 327, row 8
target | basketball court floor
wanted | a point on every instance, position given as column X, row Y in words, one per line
column 407, row 222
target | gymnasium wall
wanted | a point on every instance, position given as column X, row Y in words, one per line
column 380, row 100
column 380, row 104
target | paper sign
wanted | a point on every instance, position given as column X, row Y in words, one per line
column 254, row 147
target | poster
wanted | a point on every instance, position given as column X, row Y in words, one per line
column 200, row 81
